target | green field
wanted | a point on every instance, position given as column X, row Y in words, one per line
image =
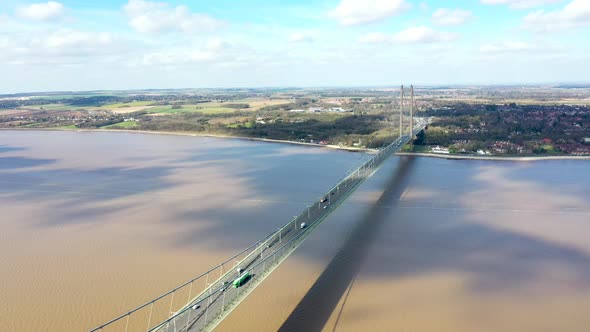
column 130, row 104
column 190, row 109
column 53, row 107
column 69, row 96
column 125, row 124
column 214, row 110
column 68, row 127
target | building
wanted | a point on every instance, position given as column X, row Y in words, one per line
column 339, row 110
column 438, row 149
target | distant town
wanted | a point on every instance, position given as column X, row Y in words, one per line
column 479, row 121
column 508, row 129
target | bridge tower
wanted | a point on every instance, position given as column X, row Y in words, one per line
column 412, row 112
column 401, row 112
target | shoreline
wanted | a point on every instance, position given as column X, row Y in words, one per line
column 328, row 146
column 492, row 158
column 182, row 133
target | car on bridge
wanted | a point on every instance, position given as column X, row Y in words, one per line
column 323, row 200
column 239, row 281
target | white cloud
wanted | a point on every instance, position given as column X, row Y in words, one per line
column 300, row 37
column 217, row 44
column 422, row 34
column 445, row 16
column 354, row 12
column 48, row 11
column 60, row 47
column 520, row 4
column 159, row 17
column 523, row 51
column 375, row 38
column 178, row 57
column 413, row 35
column 512, row 47
column 575, row 14
column 215, row 52
column 505, row 47
column 183, row 58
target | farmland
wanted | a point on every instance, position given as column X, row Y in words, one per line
column 501, row 120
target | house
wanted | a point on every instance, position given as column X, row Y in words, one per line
column 339, row 110
column 438, row 149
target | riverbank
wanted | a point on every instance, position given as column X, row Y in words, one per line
column 181, row 133
column 495, row 158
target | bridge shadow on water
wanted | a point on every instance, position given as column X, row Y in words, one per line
column 404, row 239
column 315, row 308
column 505, row 246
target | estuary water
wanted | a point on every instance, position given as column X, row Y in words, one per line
column 453, row 246
column 94, row 224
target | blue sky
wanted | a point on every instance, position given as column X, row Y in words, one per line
column 86, row 45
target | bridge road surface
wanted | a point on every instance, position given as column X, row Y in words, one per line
column 196, row 315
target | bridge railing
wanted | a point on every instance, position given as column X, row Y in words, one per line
column 185, row 319
column 194, row 298
column 143, row 317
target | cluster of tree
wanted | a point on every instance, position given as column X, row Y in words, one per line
column 300, row 103
column 98, row 123
column 12, row 103
column 92, row 101
column 237, row 105
column 312, row 128
column 348, row 130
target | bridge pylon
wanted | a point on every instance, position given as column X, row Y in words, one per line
column 401, row 111
column 412, row 112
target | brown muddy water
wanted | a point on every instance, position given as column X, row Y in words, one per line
column 457, row 246
column 95, row 223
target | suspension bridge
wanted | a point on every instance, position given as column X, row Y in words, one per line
column 201, row 303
